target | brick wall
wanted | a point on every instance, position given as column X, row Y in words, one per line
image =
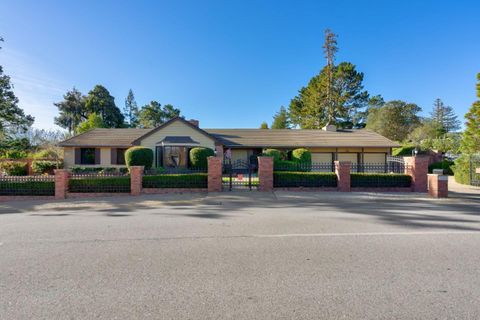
column 417, row 168
column 265, row 174
column 438, row 185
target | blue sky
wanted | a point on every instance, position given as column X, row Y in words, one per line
column 234, row 63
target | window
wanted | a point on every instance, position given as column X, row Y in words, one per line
column 87, row 156
column 174, row 156
column 121, row 156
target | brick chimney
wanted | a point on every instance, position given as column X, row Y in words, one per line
column 196, row 123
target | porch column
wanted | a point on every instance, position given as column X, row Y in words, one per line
column 265, row 174
column 214, row 174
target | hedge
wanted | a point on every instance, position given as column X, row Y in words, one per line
column 380, row 180
column 274, row 153
column 139, row 156
column 100, row 170
column 45, row 166
column 291, row 166
column 444, row 164
column 461, row 169
column 100, row 184
column 198, row 157
column 14, row 168
column 302, row 155
column 304, row 179
column 190, row 180
column 27, row 188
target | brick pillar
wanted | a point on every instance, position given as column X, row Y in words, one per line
column 342, row 170
column 265, row 174
column 61, row 183
column 219, row 151
column 438, row 185
column 136, row 177
column 214, row 174
column 417, row 168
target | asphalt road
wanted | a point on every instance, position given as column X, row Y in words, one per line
column 241, row 256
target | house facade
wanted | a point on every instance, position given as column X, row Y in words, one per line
column 172, row 141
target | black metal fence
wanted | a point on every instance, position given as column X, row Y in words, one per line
column 304, row 166
column 387, row 167
column 239, row 174
column 283, row 179
column 99, row 183
column 27, row 185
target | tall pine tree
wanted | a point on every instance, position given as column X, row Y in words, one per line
column 280, row 120
column 100, row 101
column 444, row 116
column 130, row 111
column 471, row 135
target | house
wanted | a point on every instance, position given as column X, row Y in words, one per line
column 172, row 141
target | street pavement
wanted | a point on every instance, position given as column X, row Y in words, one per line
column 242, row 255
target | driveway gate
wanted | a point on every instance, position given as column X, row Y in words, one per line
column 475, row 170
column 239, row 174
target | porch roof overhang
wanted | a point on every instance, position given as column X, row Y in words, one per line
column 178, row 141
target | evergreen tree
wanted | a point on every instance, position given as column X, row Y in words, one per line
column 100, row 101
column 471, row 135
column 445, row 116
column 130, row 110
column 153, row 115
column 72, row 110
column 93, row 121
column 280, row 120
column 264, row 125
column 12, row 117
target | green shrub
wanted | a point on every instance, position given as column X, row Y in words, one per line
column 291, row 166
column 50, row 153
column 192, row 180
column 198, row 157
column 99, row 170
column 444, row 164
column 277, row 155
column 14, row 168
column 304, row 179
column 45, row 166
column 302, row 155
column 27, row 188
column 15, row 154
column 380, row 180
column 100, row 184
column 79, row 170
column 139, row 156
column 461, row 169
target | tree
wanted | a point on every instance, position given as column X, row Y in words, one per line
column 428, row 130
column 395, row 120
column 445, row 116
column 264, row 125
column 311, row 108
column 130, row 110
column 153, row 115
column 100, row 101
column 330, row 49
column 93, row 121
column 471, row 135
column 12, row 117
column 280, row 120
column 72, row 110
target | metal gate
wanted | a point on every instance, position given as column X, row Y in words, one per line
column 475, row 170
column 239, row 175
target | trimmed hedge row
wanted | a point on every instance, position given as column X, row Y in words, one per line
column 380, row 180
column 100, row 184
column 27, row 188
column 304, row 179
column 292, row 166
column 190, row 180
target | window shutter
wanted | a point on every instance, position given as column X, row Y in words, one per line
column 113, row 156
column 97, row 155
column 78, row 156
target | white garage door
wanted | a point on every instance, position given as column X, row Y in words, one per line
column 352, row 157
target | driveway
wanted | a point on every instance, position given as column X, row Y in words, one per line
column 245, row 255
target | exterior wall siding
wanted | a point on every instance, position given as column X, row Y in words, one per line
column 177, row 128
column 68, row 157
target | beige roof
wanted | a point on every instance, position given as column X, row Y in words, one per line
column 105, row 138
column 300, row 138
column 254, row 138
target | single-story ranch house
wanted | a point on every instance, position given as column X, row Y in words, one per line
column 172, row 141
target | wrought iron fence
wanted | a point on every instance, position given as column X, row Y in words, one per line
column 387, row 167
column 27, row 185
column 304, row 166
column 175, row 170
column 380, row 180
column 283, row 179
column 113, row 182
column 239, row 174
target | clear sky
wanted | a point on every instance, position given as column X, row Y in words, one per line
column 234, row 63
